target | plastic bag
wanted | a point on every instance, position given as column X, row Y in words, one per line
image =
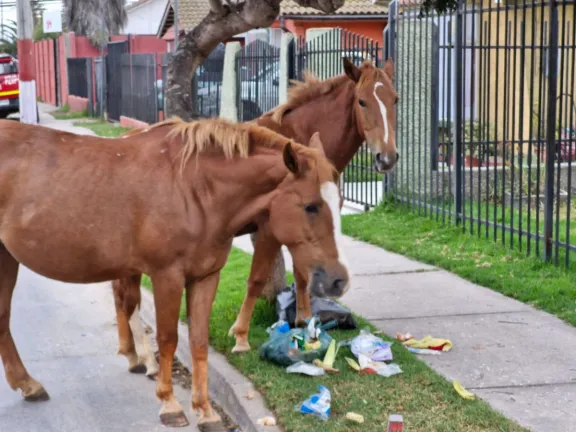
column 381, row 368
column 326, row 309
column 280, row 348
column 371, row 346
column 318, row 404
column 306, row 369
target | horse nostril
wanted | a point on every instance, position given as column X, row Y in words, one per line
column 339, row 285
column 379, row 157
column 397, row 156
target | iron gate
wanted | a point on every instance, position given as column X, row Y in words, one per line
column 113, row 78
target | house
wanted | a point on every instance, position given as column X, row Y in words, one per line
column 144, row 17
column 364, row 17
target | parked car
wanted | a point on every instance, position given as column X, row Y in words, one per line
column 9, row 85
column 259, row 91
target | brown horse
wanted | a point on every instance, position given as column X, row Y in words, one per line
column 346, row 110
column 166, row 202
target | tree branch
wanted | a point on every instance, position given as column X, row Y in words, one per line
column 216, row 7
column 326, row 6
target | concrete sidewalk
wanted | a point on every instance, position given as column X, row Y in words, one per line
column 520, row 360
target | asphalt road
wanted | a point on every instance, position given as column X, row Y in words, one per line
column 66, row 336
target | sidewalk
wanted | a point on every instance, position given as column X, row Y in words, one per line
column 520, row 360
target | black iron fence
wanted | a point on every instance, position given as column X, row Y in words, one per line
column 207, row 84
column 486, row 122
column 139, row 95
column 78, row 73
column 258, row 79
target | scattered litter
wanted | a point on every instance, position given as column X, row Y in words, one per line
column 366, row 365
column 395, row 423
column 318, row 404
column 328, row 363
column 462, row 391
column 266, row 421
column 371, row 346
column 296, row 345
column 424, row 351
column 403, row 337
column 358, row 418
column 330, row 312
column 249, row 395
column 305, row 368
column 429, row 342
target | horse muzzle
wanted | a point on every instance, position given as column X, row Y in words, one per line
column 385, row 162
column 329, row 283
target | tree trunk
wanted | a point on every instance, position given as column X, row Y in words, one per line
column 277, row 280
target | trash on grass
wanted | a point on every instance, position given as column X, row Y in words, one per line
column 424, row 351
column 305, row 368
column 318, row 404
column 429, row 342
column 395, row 423
column 403, row 337
column 329, row 311
column 288, row 347
column 371, row 346
column 266, row 421
column 358, row 418
column 328, row 363
column 462, row 391
column 366, row 365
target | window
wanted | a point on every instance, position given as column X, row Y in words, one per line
column 8, row 68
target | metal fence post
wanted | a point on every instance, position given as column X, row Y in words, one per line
column 459, row 117
column 89, row 84
column 551, row 130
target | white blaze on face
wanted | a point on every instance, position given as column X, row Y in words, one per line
column 330, row 194
column 143, row 347
column 384, row 113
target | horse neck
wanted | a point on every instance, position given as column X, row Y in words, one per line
column 243, row 188
column 333, row 115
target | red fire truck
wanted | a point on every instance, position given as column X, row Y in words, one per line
column 9, row 89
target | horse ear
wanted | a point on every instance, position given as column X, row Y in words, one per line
column 315, row 143
column 351, row 70
column 389, row 68
column 290, row 159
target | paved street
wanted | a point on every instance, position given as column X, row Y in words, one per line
column 66, row 335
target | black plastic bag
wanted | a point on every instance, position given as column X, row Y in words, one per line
column 325, row 309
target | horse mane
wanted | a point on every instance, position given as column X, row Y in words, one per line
column 303, row 92
column 312, row 87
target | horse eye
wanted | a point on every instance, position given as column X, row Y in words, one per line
column 311, row 208
column 362, row 103
column 396, row 101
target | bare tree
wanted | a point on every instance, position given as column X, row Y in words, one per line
column 86, row 18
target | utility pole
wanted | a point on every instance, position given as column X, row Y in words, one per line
column 26, row 69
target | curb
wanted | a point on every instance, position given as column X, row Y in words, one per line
column 227, row 386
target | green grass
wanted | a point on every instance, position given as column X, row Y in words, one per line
column 480, row 260
column 70, row 115
column 104, row 129
column 427, row 401
column 360, row 169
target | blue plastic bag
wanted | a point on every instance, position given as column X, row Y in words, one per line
column 318, row 404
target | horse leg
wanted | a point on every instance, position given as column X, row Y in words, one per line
column 265, row 251
column 134, row 343
column 168, row 288
column 199, row 299
column 303, row 309
column 16, row 374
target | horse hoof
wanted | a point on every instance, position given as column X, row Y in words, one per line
column 39, row 395
column 177, row 419
column 241, row 347
column 138, row 369
column 215, row 426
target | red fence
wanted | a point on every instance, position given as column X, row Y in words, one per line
column 45, row 57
